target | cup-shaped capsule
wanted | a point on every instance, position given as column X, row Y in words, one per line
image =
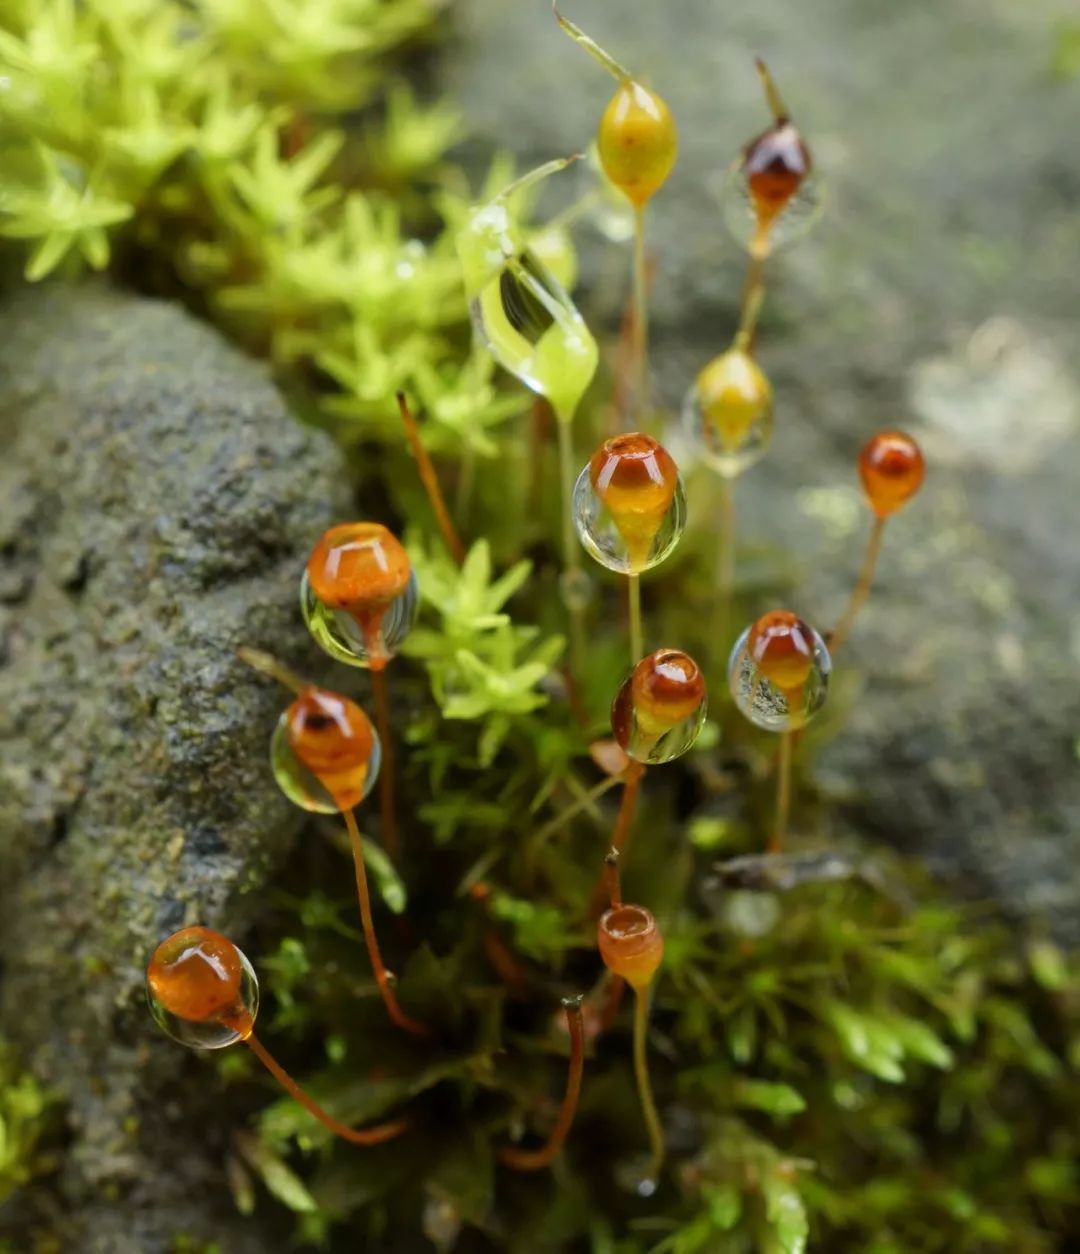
column 629, row 504
column 637, row 141
column 519, row 310
column 202, row 989
column 630, row 944
column 358, row 595
column 660, row 709
column 728, row 413
column 325, row 753
column 779, row 672
column 892, row 469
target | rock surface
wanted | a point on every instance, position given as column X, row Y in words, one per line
column 934, row 296
column 156, row 504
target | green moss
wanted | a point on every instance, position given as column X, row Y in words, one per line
column 834, row 1064
column 25, row 1110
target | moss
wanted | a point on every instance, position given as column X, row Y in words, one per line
column 835, row 1063
column 25, row 1109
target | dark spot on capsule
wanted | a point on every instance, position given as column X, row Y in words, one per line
column 317, row 721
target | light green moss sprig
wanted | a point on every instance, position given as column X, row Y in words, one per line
column 24, row 1109
column 483, row 666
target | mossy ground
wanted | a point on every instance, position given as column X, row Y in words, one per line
column 855, row 1063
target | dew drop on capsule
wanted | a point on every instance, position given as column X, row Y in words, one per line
column 359, row 596
column 325, row 754
column 779, row 671
column 771, row 194
column 202, row 990
column 660, row 709
column 629, row 504
column 728, row 413
column 519, row 310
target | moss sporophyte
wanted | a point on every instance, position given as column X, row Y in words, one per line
column 792, row 1005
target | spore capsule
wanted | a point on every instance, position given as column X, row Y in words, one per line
column 728, row 413
column 202, row 989
column 358, row 595
column 661, row 707
column 779, row 671
column 892, row 470
column 325, row 753
column 630, row 944
column 629, row 504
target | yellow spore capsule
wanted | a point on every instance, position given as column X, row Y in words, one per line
column 734, row 395
column 637, row 141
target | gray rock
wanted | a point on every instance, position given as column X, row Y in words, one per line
column 935, row 296
column 156, row 504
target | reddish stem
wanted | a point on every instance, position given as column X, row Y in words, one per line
column 358, row 1136
column 431, row 482
column 534, row 1160
column 621, row 837
column 612, row 879
column 382, row 976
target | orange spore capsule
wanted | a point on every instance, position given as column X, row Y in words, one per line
column 667, row 687
column 892, row 469
column 361, row 568
column 781, row 646
column 334, row 739
column 630, row 944
column 775, row 163
column 196, row 975
column 636, row 478
column 637, row 141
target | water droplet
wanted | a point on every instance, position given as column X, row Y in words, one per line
column 520, row 312
column 660, row 709
column 634, row 1175
column 353, row 635
column 202, row 989
column 553, row 245
column 346, row 769
column 532, row 328
column 727, row 416
column 629, row 504
column 779, row 671
column 797, row 215
column 576, row 589
column 749, row 914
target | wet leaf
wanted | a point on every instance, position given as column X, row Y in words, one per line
column 780, row 1100
column 786, row 1214
column 278, row 1177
